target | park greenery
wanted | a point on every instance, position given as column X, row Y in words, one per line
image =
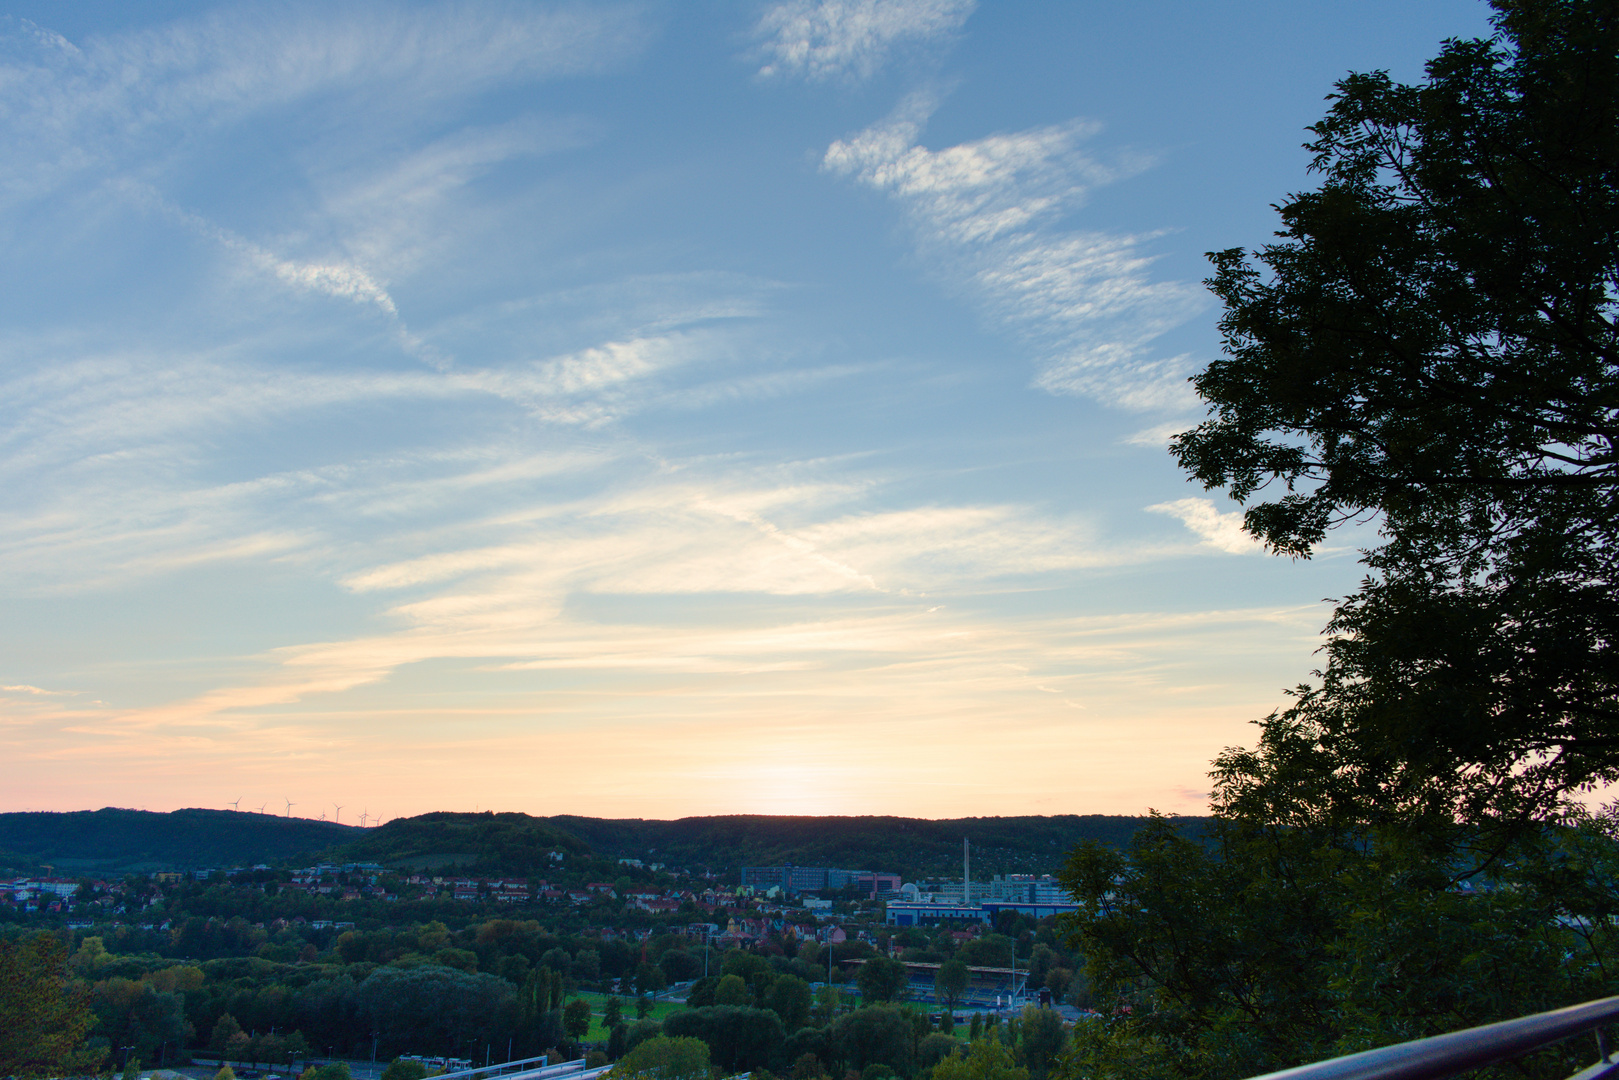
column 276, row 964
column 79, row 1003
column 1430, row 349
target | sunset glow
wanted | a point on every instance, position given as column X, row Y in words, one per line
column 640, row 410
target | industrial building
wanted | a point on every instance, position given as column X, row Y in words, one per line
column 798, row 879
column 929, row 914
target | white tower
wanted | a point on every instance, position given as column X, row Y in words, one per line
column 966, row 875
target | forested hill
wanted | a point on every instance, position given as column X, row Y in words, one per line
column 512, row 843
column 111, row 840
column 508, row 843
column 911, row 846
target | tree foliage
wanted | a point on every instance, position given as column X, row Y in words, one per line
column 882, row 979
column 576, row 1018
column 950, row 981
column 1284, row 944
column 1043, row 1039
column 791, row 999
column 875, row 1035
column 985, row 1059
column 738, row 1038
column 1432, row 345
column 732, row 990
column 43, row 1021
column 137, row 1014
column 432, row 1007
column 665, row 1058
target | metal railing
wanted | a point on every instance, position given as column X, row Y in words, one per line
column 1460, row 1051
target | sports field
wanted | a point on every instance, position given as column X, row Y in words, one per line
column 598, row 1002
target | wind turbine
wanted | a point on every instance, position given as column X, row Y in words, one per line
column 237, row 805
column 363, row 815
column 290, row 805
column 262, row 806
column 339, row 817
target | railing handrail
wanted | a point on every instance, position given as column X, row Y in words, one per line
column 1458, row 1051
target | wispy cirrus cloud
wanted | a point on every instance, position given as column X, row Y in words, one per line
column 728, row 536
column 509, row 589
column 1158, row 435
column 398, row 211
column 338, row 278
column 824, row 40
column 114, row 472
column 697, row 693
column 986, row 211
column 1221, row 531
column 106, row 101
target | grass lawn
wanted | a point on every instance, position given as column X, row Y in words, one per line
column 598, row 1002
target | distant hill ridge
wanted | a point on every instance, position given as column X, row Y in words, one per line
column 114, row 840
column 117, row 841
column 912, row 846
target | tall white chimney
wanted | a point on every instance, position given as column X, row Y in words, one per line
column 966, row 875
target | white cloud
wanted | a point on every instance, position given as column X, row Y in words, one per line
column 396, row 209
column 334, row 277
column 1158, row 435
column 141, row 94
column 819, row 40
column 593, row 386
column 113, row 472
column 726, row 536
column 1220, row 531
column 983, row 212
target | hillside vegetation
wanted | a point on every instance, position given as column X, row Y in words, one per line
column 911, row 846
column 112, row 840
column 508, row 843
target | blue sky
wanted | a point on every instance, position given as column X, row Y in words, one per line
column 640, row 409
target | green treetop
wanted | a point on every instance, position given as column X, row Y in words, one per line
column 1431, row 346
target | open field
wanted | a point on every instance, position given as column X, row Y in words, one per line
column 598, row 1002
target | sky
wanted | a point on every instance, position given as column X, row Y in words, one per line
column 641, row 409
